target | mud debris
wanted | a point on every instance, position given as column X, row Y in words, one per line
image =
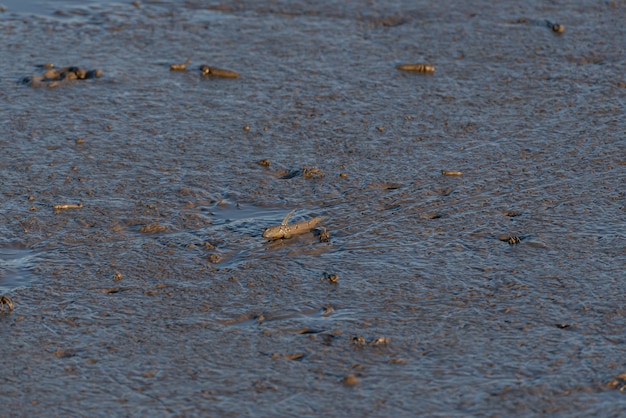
column 510, row 239
column 618, row 383
column 323, row 235
column 451, row 173
column 327, row 310
column 416, row 68
column 360, row 341
column 6, row 301
column 180, row 67
column 351, row 380
column 152, row 228
column 357, row 340
column 52, row 77
column 64, row 353
column 380, row 341
column 305, row 172
column 288, row 174
column 331, row 278
column 555, row 27
column 313, row 172
column 514, row 240
column 215, row 258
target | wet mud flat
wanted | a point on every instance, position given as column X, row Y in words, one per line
column 474, row 263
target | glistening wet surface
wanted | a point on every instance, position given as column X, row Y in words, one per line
column 495, row 291
column 17, row 263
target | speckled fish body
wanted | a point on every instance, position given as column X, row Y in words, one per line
column 285, row 231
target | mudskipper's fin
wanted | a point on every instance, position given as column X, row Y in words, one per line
column 284, row 222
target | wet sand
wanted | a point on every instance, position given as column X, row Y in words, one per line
column 494, row 291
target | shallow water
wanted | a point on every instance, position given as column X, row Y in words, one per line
column 204, row 317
